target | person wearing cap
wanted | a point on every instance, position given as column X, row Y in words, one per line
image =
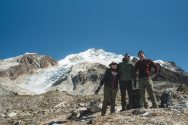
column 127, row 75
column 110, row 81
column 144, row 66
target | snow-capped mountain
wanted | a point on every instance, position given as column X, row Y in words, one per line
column 169, row 65
column 91, row 56
column 100, row 56
column 45, row 78
column 42, row 79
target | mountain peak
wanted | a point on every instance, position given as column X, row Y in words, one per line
column 29, row 53
column 94, row 51
column 93, row 56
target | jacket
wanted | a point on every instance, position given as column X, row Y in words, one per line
column 126, row 70
column 144, row 67
column 110, row 80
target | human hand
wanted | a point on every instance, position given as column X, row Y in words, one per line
column 153, row 76
column 134, row 84
column 97, row 91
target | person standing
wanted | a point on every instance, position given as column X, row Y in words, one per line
column 110, row 81
column 127, row 75
column 144, row 66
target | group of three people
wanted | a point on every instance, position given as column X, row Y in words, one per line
column 124, row 74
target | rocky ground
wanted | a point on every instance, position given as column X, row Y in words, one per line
column 56, row 107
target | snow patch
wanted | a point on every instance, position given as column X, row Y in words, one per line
column 7, row 63
column 44, row 79
column 168, row 65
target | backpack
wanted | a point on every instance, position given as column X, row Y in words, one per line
column 136, row 99
column 166, row 99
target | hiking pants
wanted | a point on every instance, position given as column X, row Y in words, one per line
column 109, row 96
column 147, row 84
column 126, row 85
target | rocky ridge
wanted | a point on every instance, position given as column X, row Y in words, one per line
column 26, row 64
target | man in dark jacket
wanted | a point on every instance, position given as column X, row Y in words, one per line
column 127, row 74
column 110, row 81
column 144, row 66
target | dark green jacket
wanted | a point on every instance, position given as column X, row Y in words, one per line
column 126, row 70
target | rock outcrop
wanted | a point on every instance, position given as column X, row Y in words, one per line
column 93, row 73
column 80, row 76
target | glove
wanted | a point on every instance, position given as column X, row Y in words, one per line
column 153, row 76
column 97, row 91
column 134, row 84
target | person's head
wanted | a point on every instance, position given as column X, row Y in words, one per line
column 126, row 57
column 141, row 54
column 113, row 65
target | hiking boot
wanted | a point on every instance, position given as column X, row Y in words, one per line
column 103, row 112
column 113, row 111
column 156, row 106
column 146, row 106
column 129, row 107
column 122, row 110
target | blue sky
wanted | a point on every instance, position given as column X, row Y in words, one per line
column 61, row 27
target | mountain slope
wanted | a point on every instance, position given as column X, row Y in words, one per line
column 38, row 74
column 25, row 64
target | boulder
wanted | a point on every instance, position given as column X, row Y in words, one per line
column 95, row 106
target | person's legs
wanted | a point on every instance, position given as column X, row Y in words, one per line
column 151, row 94
column 142, row 85
column 113, row 99
column 123, row 94
column 130, row 93
column 106, row 100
